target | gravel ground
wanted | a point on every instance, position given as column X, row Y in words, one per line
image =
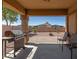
column 45, row 38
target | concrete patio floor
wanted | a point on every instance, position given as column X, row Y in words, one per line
column 43, row 46
column 44, row 51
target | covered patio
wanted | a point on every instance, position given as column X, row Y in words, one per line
column 28, row 8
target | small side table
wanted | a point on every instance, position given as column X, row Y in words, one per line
column 5, row 39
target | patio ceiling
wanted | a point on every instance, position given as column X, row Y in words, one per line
column 46, row 4
column 39, row 7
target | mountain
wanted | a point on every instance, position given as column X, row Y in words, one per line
column 46, row 27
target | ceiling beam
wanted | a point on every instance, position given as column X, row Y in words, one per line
column 72, row 9
column 47, row 12
column 14, row 5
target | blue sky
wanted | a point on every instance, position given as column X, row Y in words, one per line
column 36, row 20
column 54, row 20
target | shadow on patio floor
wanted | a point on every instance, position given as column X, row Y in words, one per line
column 46, row 51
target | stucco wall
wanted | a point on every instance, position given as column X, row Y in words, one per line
column 72, row 23
column 72, row 19
column 5, row 28
column 9, row 28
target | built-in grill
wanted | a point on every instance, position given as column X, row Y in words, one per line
column 17, row 38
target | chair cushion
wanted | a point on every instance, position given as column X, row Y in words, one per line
column 65, row 37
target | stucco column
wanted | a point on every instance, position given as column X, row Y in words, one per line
column 67, row 23
column 75, row 27
column 24, row 22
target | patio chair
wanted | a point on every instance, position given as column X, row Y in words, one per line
column 66, row 35
column 65, row 38
column 72, row 44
